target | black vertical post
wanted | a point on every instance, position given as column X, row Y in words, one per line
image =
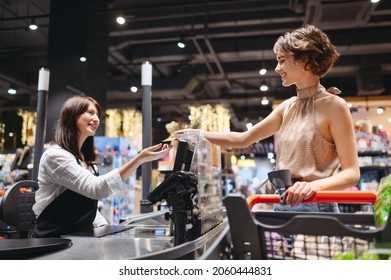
column 40, row 131
column 77, row 28
column 146, row 168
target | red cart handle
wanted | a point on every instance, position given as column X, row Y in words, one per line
column 319, row 197
column 22, row 190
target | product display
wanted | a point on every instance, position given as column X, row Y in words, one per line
column 383, row 203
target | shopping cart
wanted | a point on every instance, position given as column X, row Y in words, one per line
column 302, row 235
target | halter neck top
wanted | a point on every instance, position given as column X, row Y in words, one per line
column 300, row 146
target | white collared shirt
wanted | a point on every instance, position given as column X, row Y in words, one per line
column 59, row 170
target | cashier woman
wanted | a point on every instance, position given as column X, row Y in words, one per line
column 68, row 193
column 314, row 131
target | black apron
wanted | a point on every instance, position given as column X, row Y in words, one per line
column 70, row 212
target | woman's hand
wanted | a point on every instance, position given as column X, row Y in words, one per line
column 148, row 154
column 300, row 191
column 199, row 132
column 154, row 152
column 181, row 131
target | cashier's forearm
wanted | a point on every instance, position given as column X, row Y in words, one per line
column 129, row 168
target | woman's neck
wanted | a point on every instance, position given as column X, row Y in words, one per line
column 80, row 142
column 309, row 81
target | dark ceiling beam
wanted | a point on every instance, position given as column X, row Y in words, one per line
column 17, row 83
column 252, row 97
column 217, row 61
column 251, row 55
column 190, row 9
column 155, row 36
column 201, row 26
column 17, row 18
column 203, row 55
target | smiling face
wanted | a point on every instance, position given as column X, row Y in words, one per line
column 88, row 122
column 291, row 72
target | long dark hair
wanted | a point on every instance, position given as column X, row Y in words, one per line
column 66, row 130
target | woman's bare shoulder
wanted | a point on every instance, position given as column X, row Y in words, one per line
column 329, row 99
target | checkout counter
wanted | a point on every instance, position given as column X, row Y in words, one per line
column 193, row 225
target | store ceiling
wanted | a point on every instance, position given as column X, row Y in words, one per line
column 227, row 41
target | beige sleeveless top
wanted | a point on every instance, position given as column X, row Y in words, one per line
column 299, row 145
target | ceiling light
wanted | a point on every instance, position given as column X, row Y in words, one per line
column 121, row 20
column 270, row 155
column 33, row 25
column 264, row 101
column 181, row 43
column 264, row 86
column 83, row 59
column 375, row 1
column 133, row 89
column 12, row 90
column 380, row 110
column 263, row 71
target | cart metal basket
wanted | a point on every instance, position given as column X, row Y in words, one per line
column 302, row 235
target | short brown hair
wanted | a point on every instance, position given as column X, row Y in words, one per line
column 311, row 46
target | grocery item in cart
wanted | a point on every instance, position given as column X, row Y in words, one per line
column 382, row 205
column 323, row 246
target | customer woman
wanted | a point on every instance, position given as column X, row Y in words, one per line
column 314, row 131
column 69, row 186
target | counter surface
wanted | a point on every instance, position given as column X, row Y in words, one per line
column 146, row 239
